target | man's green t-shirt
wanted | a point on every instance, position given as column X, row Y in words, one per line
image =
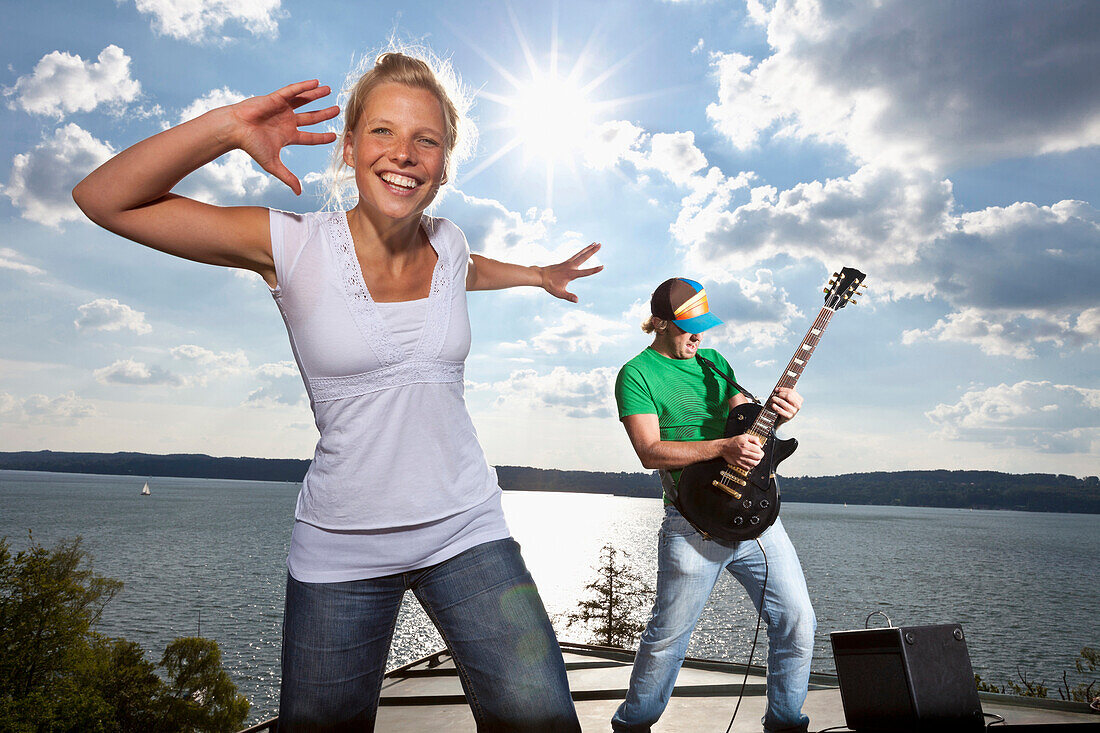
column 689, row 400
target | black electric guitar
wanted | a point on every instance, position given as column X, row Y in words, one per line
column 729, row 503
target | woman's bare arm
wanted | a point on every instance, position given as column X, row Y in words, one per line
column 489, row 274
column 131, row 195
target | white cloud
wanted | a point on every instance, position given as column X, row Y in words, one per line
column 674, row 155
column 211, row 100
column 65, row 408
column 282, row 386
column 1050, row 418
column 756, row 313
column 1013, row 275
column 279, row 382
column 1002, row 257
column 1088, row 327
column 223, row 361
column 12, row 260
column 993, row 337
column 277, row 369
column 64, row 83
column 41, row 180
column 211, row 365
column 876, row 217
column 637, row 313
column 910, row 83
column 497, row 232
column 579, row 330
column 610, row 142
column 201, row 20
column 130, row 372
column 1012, row 290
column 107, row 314
column 573, row 394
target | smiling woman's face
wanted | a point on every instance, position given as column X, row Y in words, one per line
column 398, row 151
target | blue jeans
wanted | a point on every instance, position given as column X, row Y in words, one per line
column 688, row 566
column 336, row 637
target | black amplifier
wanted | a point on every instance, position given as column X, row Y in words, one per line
column 911, row 678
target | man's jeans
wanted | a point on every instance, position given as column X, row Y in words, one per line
column 483, row 601
column 687, row 569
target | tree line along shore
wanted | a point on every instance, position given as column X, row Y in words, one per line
column 1040, row 492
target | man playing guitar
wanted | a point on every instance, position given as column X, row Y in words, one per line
column 674, row 410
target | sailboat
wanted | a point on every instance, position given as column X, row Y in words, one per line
column 145, row 489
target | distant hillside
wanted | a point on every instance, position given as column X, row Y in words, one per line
column 1040, row 492
column 1035, row 492
column 197, row 465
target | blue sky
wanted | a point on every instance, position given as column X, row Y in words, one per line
column 948, row 150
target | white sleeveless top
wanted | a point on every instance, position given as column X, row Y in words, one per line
column 397, row 449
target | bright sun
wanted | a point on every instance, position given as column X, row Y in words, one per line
column 549, row 116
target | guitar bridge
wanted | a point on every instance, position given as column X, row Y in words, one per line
column 733, row 477
column 728, row 489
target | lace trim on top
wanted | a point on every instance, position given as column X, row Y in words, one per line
column 413, row 371
column 438, row 318
column 365, row 312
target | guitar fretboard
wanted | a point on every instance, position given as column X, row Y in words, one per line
column 765, row 420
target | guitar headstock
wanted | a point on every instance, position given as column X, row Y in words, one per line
column 843, row 288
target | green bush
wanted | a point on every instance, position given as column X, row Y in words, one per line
column 58, row 674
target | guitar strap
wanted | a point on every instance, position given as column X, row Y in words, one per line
column 713, row 367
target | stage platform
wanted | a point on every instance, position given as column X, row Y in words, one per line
column 426, row 695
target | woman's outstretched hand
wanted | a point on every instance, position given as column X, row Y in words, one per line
column 555, row 278
column 269, row 123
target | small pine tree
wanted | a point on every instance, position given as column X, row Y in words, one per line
column 615, row 611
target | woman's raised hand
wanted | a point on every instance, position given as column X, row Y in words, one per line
column 555, row 278
column 267, row 124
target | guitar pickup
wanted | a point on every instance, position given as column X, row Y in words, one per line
column 733, row 477
column 728, row 489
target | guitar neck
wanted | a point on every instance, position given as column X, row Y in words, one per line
column 765, row 421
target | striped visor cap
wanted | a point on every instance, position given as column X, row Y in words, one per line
column 684, row 302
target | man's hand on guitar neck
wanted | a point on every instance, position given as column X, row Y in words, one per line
column 785, row 402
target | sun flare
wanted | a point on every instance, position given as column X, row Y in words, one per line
column 548, row 116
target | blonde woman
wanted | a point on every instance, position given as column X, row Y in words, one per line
column 399, row 495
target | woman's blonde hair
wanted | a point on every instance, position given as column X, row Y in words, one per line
column 418, row 68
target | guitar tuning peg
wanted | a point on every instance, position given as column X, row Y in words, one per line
column 826, row 291
column 836, row 274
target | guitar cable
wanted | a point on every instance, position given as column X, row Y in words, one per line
column 752, row 651
column 764, row 591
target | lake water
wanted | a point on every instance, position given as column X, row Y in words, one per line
column 1023, row 585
